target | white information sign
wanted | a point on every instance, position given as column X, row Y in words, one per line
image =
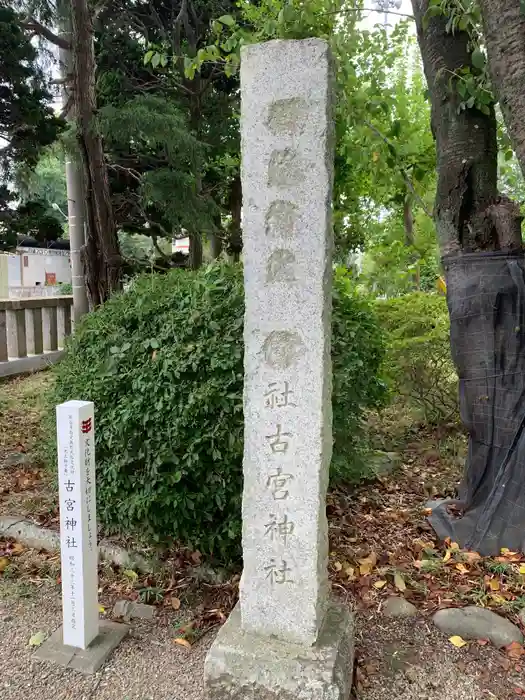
column 78, row 530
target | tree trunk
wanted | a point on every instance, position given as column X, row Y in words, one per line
column 235, row 206
column 196, row 256
column 102, row 258
column 74, row 181
column 479, row 233
column 215, row 246
column 504, row 28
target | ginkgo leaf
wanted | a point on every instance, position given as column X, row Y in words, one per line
column 522, row 569
column 462, row 568
column 457, row 641
column 37, row 639
column 498, row 599
column 399, row 582
column 338, row 566
column 494, row 584
column 350, row 572
column 182, row 642
column 132, row 575
column 447, row 555
column 379, row 584
column 101, row 609
column 366, row 565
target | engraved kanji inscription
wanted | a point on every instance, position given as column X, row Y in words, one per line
column 277, row 483
column 280, row 441
column 279, row 528
column 278, row 572
column 278, row 395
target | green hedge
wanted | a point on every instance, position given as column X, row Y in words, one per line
column 418, row 364
column 163, row 363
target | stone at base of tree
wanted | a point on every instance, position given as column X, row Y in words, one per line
column 129, row 609
column 241, row 665
column 396, row 606
column 84, row 660
column 18, row 459
column 477, row 623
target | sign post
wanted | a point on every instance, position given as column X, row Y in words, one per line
column 83, row 642
column 78, row 532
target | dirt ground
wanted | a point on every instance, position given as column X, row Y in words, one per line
column 380, row 545
column 402, row 660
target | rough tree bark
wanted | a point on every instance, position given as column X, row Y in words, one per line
column 102, row 259
column 479, row 233
column 504, row 30
column 74, row 177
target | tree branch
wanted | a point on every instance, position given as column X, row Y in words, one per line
column 407, row 180
column 159, row 250
column 34, row 25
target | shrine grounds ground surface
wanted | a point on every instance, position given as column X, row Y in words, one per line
column 379, row 540
column 407, row 660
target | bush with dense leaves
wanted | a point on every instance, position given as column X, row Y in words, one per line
column 163, row 363
column 418, row 362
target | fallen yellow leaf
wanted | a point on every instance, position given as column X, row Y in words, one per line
column 399, row 582
column 338, row 566
column 379, row 584
column 457, row 641
column 522, row 569
column 494, row 584
column 350, row 572
column 175, row 603
column 366, row 565
column 101, row 609
column 498, row 599
column 462, row 568
column 454, row 545
column 447, row 555
column 4, row 563
column 37, row 639
column 504, row 550
column 182, row 642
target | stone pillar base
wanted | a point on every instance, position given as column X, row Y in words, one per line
column 243, row 666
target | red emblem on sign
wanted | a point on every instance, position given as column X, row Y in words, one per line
column 86, row 426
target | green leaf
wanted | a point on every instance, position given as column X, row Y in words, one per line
column 37, row 639
column 189, row 67
column 478, row 59
column 433, row 11
column 155, row 60
column 147, row 57
column 227, row 20
column 509, row 154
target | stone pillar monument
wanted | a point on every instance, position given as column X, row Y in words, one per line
column 286, row 640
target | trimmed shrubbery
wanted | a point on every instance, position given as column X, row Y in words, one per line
column 163, row 363
column 418, row 364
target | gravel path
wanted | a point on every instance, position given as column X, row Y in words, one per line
column 146, row 666
column 401, row 660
